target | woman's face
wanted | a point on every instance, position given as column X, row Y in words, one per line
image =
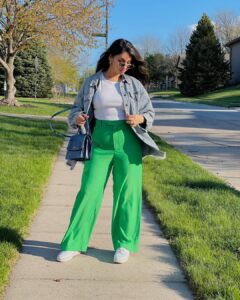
column 120, row 63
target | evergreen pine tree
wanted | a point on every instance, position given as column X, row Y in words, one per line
column 26, row 75
column 160, row 66
column 204, row 67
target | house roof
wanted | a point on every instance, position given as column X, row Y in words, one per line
column 232, row 42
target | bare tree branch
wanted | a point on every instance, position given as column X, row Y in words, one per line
column 227, row 26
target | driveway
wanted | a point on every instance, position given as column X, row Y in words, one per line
column 210, row 135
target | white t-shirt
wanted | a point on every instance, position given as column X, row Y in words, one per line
column 107, row 101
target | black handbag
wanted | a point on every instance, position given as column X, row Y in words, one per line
column 80, row 144
column 79, row 147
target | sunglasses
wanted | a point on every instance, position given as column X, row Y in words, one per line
column 122, row 64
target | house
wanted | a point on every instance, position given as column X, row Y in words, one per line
column 234, row 46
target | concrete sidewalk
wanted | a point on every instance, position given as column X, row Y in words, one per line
column 153, row 273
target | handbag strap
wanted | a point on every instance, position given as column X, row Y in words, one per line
column 63, row 110
column 58, row 113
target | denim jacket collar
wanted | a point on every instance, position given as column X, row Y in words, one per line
column 96, row 78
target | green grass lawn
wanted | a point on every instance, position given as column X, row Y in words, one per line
column 27, row 153
column 40, row 106
column 200, row 215
column 198, row 212
column 229, row 97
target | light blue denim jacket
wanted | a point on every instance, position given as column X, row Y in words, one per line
column 136, row 101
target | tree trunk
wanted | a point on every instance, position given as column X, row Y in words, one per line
column 9, row 98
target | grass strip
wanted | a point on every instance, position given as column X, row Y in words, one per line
column 228, row 97
column 200, row 215
column 39, row 106
column 27, row 153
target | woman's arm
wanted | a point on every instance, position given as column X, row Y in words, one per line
column 145, row 108
column 76, row 111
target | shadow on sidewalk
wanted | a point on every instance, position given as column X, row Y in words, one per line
column 49, row 251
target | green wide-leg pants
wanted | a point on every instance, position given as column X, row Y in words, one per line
column 116, row 148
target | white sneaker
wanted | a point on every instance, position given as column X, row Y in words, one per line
column 66, row 255
column 121, row 255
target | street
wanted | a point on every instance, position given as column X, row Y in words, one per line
column 210, row 135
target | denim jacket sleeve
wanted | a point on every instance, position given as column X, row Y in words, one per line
column 145, row 107
column 76, row 111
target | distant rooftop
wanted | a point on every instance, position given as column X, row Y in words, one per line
column 232, row 42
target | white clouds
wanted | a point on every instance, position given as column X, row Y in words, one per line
column 192, row 27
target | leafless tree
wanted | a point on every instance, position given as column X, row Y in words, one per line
column 178, row 41
column 227, row 25
column 148, row 44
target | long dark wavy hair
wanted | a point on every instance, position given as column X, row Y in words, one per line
column 140, row 70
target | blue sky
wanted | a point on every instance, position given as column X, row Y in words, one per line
column 131, row 19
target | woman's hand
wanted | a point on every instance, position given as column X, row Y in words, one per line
column 81, row 119
column 134, row 120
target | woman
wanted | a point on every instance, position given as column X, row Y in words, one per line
column 119, row 111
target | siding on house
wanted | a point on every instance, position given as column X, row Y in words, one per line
column 234, row 46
